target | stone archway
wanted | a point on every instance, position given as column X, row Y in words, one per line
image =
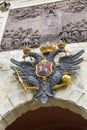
column 49, row 118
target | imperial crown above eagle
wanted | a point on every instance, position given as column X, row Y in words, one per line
column 43, row 76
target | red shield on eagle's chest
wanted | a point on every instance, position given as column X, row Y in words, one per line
column 44, row 68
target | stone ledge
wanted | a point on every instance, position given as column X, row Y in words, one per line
column 25, row 3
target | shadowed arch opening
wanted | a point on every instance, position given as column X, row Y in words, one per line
column 49, row 118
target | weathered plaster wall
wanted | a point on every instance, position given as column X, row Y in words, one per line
column 14, row 101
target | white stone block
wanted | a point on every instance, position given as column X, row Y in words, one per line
column 59, row 103
column 5, row 106
column 9, row 118
column 83, row 113
column 84, row 105
column 28, row 96
column 16, row 96
column 1, row 127
column 74, row 108
column 60, row 93
column 83, row 101
column 75, row 96
column 3, row 123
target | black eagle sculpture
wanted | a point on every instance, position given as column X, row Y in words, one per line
column 44, row 76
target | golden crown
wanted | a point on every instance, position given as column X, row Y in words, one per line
column 26, row 50
column 49, row 47
column 61, row 44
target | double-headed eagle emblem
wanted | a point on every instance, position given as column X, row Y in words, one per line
column 43, row 76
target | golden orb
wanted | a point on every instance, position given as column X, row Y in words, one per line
column 66, row 79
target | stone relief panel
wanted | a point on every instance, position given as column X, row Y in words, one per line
column 77, row 5
column 74, row 32
column 35, row 25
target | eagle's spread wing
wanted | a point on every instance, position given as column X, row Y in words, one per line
column 67, row 65
column 70, row 63
column 26, row 72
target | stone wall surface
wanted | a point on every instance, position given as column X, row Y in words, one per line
column 14, row 101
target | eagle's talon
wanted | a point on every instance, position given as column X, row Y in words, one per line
column 58, row 86
column 25, row 87
column 33, row 88
column 66, row 80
